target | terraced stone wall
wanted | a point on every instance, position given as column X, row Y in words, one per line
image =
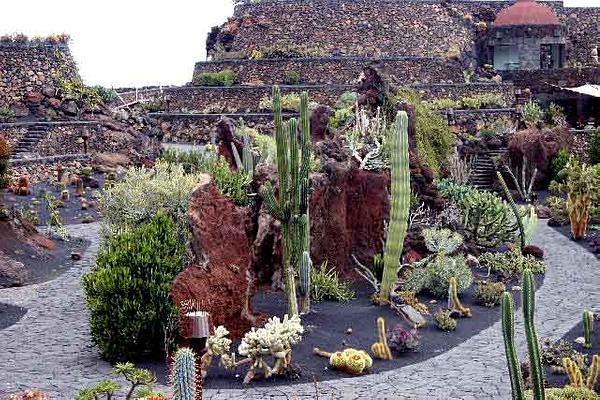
column 29, row 66
column 335, row 70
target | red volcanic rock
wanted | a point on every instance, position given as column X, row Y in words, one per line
column 534, row 251
column 54, row 102
column 221, row 242
column 34, row 97
column 348, row 208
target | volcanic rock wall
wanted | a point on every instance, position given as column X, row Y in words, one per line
column 384, row 27
column 29, row 66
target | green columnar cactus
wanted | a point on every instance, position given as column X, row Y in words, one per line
column 305, row 281
column 400, row 205
column 508, row 331
column 588, row 328
column 184, row 375
column 533, row 344
column 514, row 209
column 291, row 208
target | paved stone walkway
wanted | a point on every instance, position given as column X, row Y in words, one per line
column 50, row 347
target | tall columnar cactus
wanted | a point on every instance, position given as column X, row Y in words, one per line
column 588, row 328
column 381, row 348
column 573, row 372
column 400, row 205
column 454, row 303
column 533, row 344
column 291, row 208
column 593, row 372
column 305, row 282
column 186, row 384
column 508, row 331
column 515, row 210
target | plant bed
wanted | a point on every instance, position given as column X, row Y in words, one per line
column 42, row 263
column 328, row 325
column 10, row 315
column 71, row 212
column 560, row 380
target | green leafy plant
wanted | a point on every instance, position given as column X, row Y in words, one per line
column 433, row 274
column 595, row 148
column 558, row 163
column 140, row 381
column 326, row 285
column 289, row 102
column 490, row 294
column 225, row 77
column 127, row 292
column 533, row 115
column 292, row 78
column 6, row 113
column 511, row 263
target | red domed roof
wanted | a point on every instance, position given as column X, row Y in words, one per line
column 526, row 12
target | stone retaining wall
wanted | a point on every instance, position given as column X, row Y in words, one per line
column 336, row 70
column 28, row 67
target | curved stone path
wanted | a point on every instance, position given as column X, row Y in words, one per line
column 50, row 347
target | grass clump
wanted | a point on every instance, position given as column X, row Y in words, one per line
column 326, row 285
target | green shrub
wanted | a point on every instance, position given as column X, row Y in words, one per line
column 559, row 162
column 490, row 294
column 289, row 102
column 127, row 292
column 107, row 95
column 341, row 117
column 143, row 192
column 347, row 100
column 533, row 115
column 443, row 104
column 434, row 275
column 233, row 184
column 6, row 113
column 225, row 77
column 326, row 285
column 292, row 78
column 511, row 263
column 470, row 103
column 595, row 148
column 435, row 140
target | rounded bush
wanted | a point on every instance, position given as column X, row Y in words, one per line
column 127, row 292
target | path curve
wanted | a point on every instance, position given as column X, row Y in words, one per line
column 50, row 348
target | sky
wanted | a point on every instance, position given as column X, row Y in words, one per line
column 127, row 43
column 124, row 43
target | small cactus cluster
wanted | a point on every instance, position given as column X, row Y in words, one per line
column 353, row 361
column 575, row 375
column 187, row 384
column 444, row 321
column 381, row 348
column 533, row 346
column 588, row 328
column 400, row 206
column 454, row 304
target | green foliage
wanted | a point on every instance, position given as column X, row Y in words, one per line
column 341, row 117
column 143, row 192
column 347, row 99
column 289, row 102
column 489, row 294
column 442, row 240
column 595, row 148
column 511, row 263
column 284, row 49
column 533, row 115
column 225, row 77
column 292, row 78
column 566, row 393
column 435, row 140
column 559, row 162
column 485, row 100
column 485, row 215
column 400, row 205
column 75, row 89
column 326, row 285
column 6, row 113
column 127, row 291
column 232, row 184
column 105, row 388
column 433, row 274
column 444, row 321
column 107, row 95
column 155, row 105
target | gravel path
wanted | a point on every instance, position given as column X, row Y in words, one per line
column 50, row 347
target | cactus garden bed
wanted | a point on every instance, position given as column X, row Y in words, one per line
column 333, row 326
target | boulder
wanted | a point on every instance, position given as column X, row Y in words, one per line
column 69, row 107
column 534, row 251
column 221, row 242
column 20, row 110
column 12, row 273
column 34, row 98
column 109, row 162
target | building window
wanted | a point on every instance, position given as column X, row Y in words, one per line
column 551, row 56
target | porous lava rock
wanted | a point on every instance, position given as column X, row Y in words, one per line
column 221, row 242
